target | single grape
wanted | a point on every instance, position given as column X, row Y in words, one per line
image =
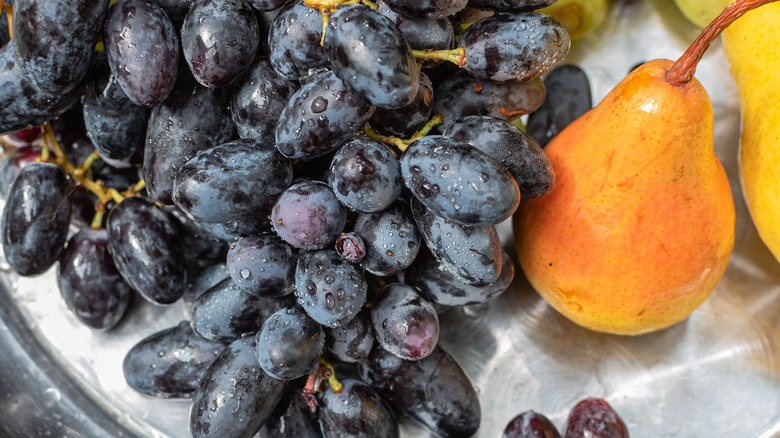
column 427, row 9
column 392, row 239
column 308, row 215
column 568, row 97
column 263, row 265
column 595, row 418
column 405, row 121
column 530, row 424
column 356, row 411
column 294, row 48
column 404, row 323
column 289, row 344
column 351, row 342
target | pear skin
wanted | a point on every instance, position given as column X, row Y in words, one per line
column 752, row 46
column 640, row 225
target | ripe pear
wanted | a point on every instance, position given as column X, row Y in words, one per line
column 752, row 46
column 639, row 228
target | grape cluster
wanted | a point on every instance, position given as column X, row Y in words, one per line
column 316, row 180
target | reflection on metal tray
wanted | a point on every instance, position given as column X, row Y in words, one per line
column 715, row 375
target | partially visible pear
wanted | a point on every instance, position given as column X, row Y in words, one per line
column 752, row 46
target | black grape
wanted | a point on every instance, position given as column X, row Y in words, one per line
column 89, row 282
column 201, row 282
column 434, row 390
column 595, row 417
column 308, row 215
column 36, row 218
column 263, row 265
column 13, row 162
column 320, row 117
column 510, row 146
column 404, row 323
column 459, row 182
column 405, row 121
column 289, row 344
column 235, row 396
column 510, row 5
column 351, row 342
column 170, row 363
column 258, row 99
column 356, row 411
column 530, row 424
column 146, row 246
column 294, row 48
column 330, row 289
column 383, row 71
column 365, row 175
column 231, row 181
column 202, row 249
column 427, row 9
column 292, row 417
column 568, row 97
column 392, row 239
column 219, row 40
column 175, row 10
column 422, row 34
column 143, row 50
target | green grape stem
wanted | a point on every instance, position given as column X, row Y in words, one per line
column 400, row 143
column 330, row 6
column 455, row 56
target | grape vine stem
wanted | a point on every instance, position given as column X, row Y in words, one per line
column 401, row 143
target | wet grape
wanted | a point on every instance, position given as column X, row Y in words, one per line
column 596, row 418
column 530, row 424
column 404, row 323
column 289, row 344
column 263, row 265
column 356, row 411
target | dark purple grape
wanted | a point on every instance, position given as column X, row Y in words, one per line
column 146, row 246
column 530, row 424
column 330, row 289
column 405, row 121
column 225, row 313
column 404, row 323
column 263, row 265
column 427, row 9
column 392, row 239
column 383, row 70
column 202, row 282
column 36, row 218
column 170, row 363
column 308, row 215
column 514, row 47
column 292, row 417
column 356, row 411
column 231, row 181
column 219, row 40
column 595, row 418
column 434, row 391
column 351, row 342
column 421, row 34
column 235, row 396
column 294, row 41
column 510, row 5
column 365, row 175
column 290, row 344
column 462, row 95
column 510, row 146
column 459, row 182
column 143, row 50
column 244, row 227
column 320, row 117
column 89, row 282
column 471, row 253
column 568, row 97
column 351, row 246
column 192, row 119
column 258, row 99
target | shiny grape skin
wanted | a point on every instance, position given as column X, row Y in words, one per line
column 308, row 215
column 427, row 9
column 392, row 239
column 330, row 289
column 568, row 97
column 530, row 424
column 113, row 122
column 294, row 41
column 434, row 391
column 365, row 175
column 595, row 418
column 471, row 253
column 169, row 363
column 36, row 218
column 258, row 99
column 383, row 71
column 439, row 286
column 89, row 282
column 231, row 181
column 463, row 95
column 510, row 146
column 12, row 164
column 422, row 34
column 263, row 265
column 219, row 40
column 201, row 282
column 319, row 118
column 143, row 50
column 356, row 411
column 202, row 249
column 292, row 417
column 404, row 323
column 459, row 182
column 146, row 246
column 235, row 396
column 351, row 342
column 225, row 313
column 193, row 118
column 289, row 344
column 405, row 121
column 514, row 47
column 510, row 5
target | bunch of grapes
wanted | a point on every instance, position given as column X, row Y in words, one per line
column 317, row 180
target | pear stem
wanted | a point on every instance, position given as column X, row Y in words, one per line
column 684, row 68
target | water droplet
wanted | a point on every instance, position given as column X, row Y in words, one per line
column 244, row 273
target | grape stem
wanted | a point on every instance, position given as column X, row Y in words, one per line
column 455, row 56
column 400, row 143
column 329, row 6
column 684, row 68
column 324, row 372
